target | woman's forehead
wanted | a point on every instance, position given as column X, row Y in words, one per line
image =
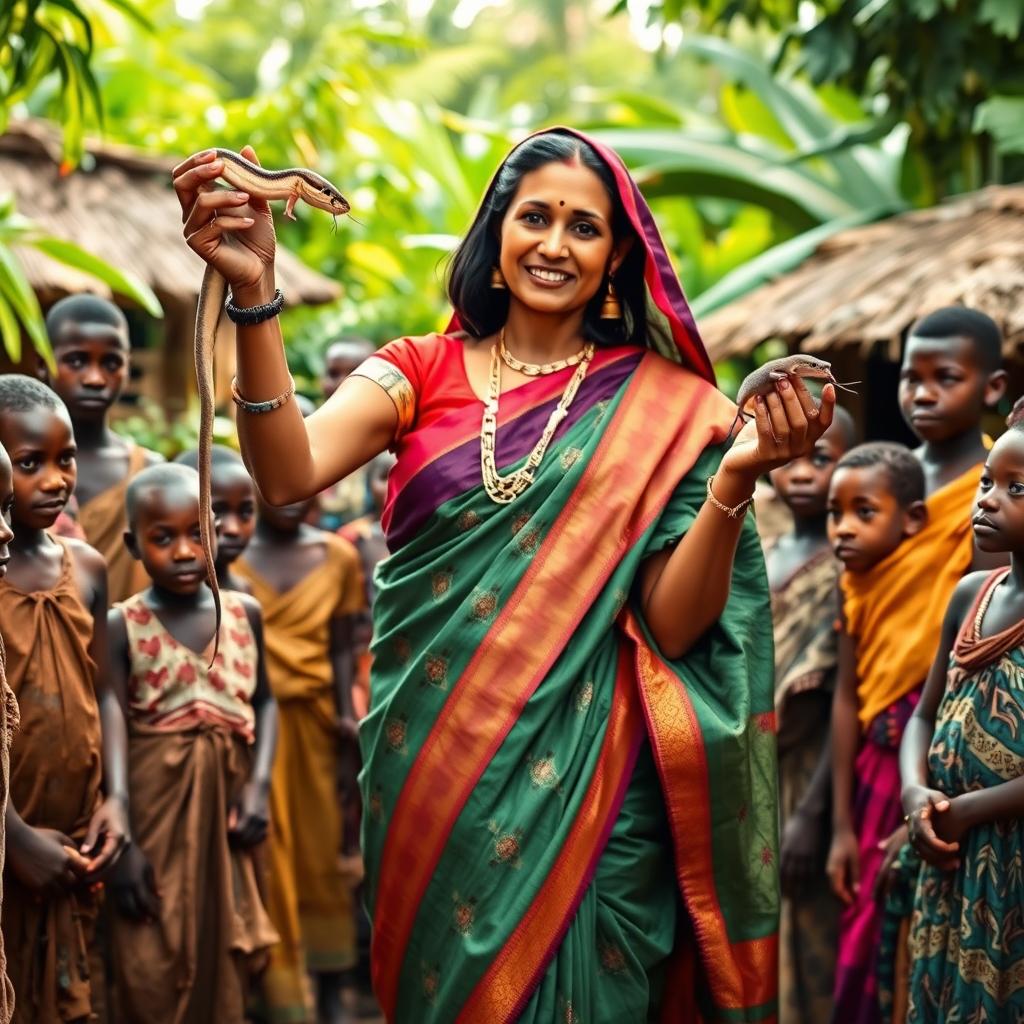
column 573, row 184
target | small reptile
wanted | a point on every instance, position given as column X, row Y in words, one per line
column 764, row 379
column 292, row 184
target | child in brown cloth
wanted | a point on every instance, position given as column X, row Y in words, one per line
column 89, row 336
column 8, row 717
column 191, row 926
column 61, row 832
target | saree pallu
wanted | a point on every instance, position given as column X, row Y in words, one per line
column 877, row 813
column 560, row 824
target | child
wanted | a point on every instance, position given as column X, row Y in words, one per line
column 234, row 509
column 8, row 717
column 61, row 833
column 347, row 499
column 201, row 746
column 309, row 586
column 962, row 763
column 949, row 374
column 367, row 536
column 89, row 336
column 803, row 575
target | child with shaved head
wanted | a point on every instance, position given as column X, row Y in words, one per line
column 191, row 926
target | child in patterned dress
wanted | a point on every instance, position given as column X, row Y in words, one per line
column 191, row 927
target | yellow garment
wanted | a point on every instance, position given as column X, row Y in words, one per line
column 309, row 900
column 103, row 520
column 895, row 610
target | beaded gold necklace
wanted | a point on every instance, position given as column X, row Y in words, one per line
column 505, row 489
column 537, row 369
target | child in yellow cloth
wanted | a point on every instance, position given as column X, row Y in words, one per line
column 310, row 587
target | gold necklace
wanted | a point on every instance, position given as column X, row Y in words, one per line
column 505, row 489
column 537, row 369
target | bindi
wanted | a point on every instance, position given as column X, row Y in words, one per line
column 561, row 202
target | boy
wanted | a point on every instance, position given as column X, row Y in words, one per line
column 8, row 717
column 347, row 499
column 803, row 575
column 61, row 833
column 89, row 336
column 309, row 586
column 191, row 920
column 234, row 509
column 950, row 373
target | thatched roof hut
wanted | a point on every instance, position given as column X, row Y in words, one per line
column 119, row 206
column 867, row 285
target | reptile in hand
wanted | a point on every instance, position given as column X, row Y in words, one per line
column 292, row 184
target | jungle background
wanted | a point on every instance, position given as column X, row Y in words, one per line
column 756, row 129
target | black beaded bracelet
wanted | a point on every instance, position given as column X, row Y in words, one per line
column 250, row 315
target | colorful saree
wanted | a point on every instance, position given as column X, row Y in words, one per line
column 561, row 824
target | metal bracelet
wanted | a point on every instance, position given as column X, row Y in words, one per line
column 248, row 316
column 257, row 408
column 732, row 513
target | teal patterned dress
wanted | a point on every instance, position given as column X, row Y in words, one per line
column 967, row 931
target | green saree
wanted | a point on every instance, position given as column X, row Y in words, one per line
column 561, row 825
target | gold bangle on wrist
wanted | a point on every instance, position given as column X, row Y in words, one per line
column 256, row 408
column 733, row 513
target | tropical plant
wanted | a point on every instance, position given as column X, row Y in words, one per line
column 783, row 148
column 44, row 42
column 950, row 69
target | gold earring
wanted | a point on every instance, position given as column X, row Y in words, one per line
column 611, row 308
column 498, row 279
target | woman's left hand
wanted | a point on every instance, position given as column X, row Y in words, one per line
column 785, row 426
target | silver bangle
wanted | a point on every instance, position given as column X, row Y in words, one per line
column 257, row 408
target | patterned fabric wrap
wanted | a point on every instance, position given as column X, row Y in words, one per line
column 967, row 931
column 173, row 688
column 877, row 813
column 519, row 848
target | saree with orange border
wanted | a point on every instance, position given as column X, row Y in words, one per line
column 560, row 823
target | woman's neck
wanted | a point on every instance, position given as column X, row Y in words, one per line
column 542, row 337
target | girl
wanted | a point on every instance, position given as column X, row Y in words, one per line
column 962, row 765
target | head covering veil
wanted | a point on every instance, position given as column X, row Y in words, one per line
column 671, row 329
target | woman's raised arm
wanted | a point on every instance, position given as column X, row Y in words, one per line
column 290, row 458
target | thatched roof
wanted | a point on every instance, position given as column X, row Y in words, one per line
column 119, row 206
column 867, row 285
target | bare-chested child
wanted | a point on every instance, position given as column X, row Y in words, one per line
column 191, row 924
column 950, row 373
column 804, row 574
column 89, row 336
column 62, row 833
column 309, row 585
column 233, row 496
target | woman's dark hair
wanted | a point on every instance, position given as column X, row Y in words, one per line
column 483, row 309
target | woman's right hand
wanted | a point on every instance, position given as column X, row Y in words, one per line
column 230, row 230
column 844, row 865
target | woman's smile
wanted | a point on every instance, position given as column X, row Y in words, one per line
column 549, row 278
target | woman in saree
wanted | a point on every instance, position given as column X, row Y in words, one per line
column 569, row 761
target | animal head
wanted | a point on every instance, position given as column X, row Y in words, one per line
column 319, row 192
column 808, row 366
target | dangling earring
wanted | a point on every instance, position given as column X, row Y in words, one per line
column 611, row 309
column 498, row 279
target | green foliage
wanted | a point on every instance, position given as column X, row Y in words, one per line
column 42, row 42
column 937, row 65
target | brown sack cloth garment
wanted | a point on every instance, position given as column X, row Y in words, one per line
column 193, row 965
column 9, row 716
column 103, row 520
column 56, row 769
